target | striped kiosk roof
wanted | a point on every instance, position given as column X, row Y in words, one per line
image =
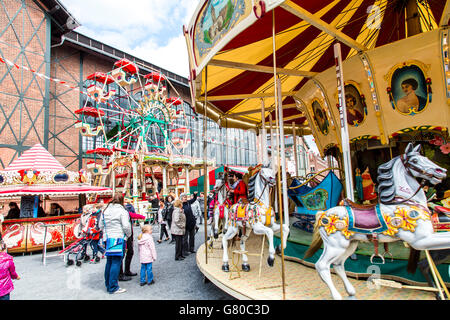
column 37, row 158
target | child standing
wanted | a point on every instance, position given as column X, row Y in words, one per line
column 7, row 272
column 95, row 234
column 147, row 254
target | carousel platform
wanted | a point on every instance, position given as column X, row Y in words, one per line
column 393, row 269
column 302, row 281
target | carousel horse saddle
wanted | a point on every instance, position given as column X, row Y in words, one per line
column 241, row 212
column 365, row 218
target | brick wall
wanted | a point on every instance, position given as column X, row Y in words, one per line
column 23, row 41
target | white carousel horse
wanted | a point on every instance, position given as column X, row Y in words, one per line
column 220, row 207
column 258, row 217
column 402, row 215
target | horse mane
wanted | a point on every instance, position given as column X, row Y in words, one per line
column 252, row 187
column 386, row 188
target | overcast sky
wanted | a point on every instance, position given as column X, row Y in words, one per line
column 148, row 29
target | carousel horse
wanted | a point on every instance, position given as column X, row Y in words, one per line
column 256, row 215
column 401, row 214
column 220, row 207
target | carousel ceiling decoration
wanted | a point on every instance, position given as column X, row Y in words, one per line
column 230, row 44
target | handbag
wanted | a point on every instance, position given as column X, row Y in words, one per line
column 113, row 246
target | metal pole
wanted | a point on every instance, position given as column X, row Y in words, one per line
column 343, row 118
column 263, row 134
column 205, row 164
column 279, row 115
column 294, row 137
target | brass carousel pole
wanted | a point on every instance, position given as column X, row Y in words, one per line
column 205, row 165
column 278, row 116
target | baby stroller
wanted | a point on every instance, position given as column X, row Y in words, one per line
column 78, row 249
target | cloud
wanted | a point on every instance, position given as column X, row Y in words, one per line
column 149, row 29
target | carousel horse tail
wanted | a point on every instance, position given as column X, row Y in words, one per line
column 316, row 242
column 413, row 260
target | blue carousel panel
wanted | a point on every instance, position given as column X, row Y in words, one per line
column 311, row 200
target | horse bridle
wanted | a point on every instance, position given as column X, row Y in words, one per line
column 408, row 166
column 262, row 192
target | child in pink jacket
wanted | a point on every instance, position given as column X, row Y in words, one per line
column 7, row 272
column 147, row 254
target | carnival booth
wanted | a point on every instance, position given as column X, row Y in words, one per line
column 33, row 181
column 366, row 79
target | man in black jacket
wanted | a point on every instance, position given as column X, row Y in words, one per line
column 190, row 224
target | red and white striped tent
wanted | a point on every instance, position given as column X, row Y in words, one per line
column 39, row 159
column 36, row 158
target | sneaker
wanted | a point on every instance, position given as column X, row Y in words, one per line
column 152, row 282
column 120, row 290
column 143, row 284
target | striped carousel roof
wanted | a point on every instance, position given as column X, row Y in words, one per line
column 240, row 65
column 37, row 158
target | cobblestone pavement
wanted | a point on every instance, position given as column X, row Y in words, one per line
column 174, row 280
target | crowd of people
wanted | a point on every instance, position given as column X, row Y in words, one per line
column 110, row 231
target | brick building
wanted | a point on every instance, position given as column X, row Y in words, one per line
column 38, row 35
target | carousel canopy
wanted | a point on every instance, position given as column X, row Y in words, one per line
column 34, row 190
column 37, row 172
column 35, row 158
column 234, row 40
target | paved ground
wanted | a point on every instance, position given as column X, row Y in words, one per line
column 174, row 279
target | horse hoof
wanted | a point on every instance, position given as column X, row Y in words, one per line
column 278, row 249
column 246, row 267
column 225, row 267
column 270, row 261
column 216, row 235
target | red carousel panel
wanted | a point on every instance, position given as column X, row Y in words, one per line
column 101, row 77
column 174, row 101
column 100, row 151
column 127, row 66
column 155, row 76
column 90, row 111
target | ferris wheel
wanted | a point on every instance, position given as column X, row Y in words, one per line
column 127, row 114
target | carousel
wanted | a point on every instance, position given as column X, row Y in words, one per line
column 33, row 181
column 138, row 133
column 370, row 81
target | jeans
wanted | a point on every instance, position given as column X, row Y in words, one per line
column 96, row 247
column 5, row 297
column 146, row 272
column 189, row 245
column 112, row 270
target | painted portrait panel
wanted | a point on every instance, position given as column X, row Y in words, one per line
column 216, row 19
column 356, row 111
column 408, row 89
column 320, row 117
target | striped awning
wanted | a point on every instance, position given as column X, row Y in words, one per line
column 236, row 46
column 36, row 158
column 57, row 190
